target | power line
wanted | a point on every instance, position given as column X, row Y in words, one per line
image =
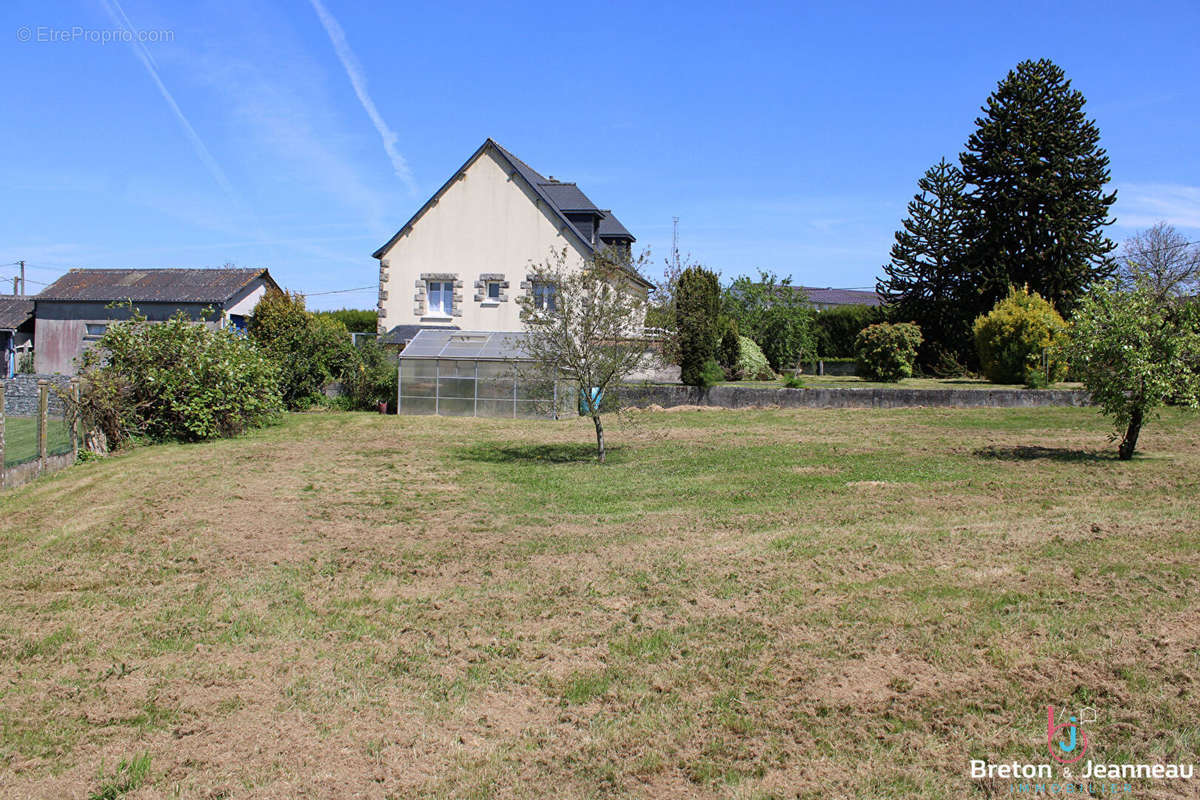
column 341, row 291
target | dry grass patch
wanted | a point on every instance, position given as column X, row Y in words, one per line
column 743, row 604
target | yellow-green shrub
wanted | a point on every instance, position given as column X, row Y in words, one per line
column 1011, row 337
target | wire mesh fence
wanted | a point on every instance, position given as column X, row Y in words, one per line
column 34, row 424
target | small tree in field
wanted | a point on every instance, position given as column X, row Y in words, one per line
column 1134, row 352
column 592, row 337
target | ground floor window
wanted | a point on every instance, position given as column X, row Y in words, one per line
column 440, row 296
column 543, row 296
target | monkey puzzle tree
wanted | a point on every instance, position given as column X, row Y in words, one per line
column 1037, row 204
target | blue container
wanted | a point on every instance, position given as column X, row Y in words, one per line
column 596, row 397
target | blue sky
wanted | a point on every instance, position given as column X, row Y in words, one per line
column 299, row 135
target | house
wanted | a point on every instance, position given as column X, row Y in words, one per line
column 75, row 310
column 827, row 298
column 16, row 331
column 465, row 257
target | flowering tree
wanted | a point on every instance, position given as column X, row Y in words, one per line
column 590, row 332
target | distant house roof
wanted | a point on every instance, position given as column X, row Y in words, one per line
column 15, row 311
column 560, row 197
column 152, row 285
column 841, row 297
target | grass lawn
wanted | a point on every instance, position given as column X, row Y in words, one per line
column 20, row 438
column 746, row 604
column 854, row 382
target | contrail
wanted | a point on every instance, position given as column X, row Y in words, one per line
column 119, row 18
column 354, row 71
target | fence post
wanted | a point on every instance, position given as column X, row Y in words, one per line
column 43, row 407
column 3, row 471
column 74, row 419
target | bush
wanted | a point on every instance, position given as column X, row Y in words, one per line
column 775, row 314
column 1011, row 337
column 886, row 351
column 372, row 380
column 752, row 365
column 697, row 305
column 710, row 375
column 793, row 381
column 174, row 380
column 310, row 350
column 836, row 329
column 729, row 348
column 355, row 320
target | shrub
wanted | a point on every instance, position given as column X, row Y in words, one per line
column 752, row 365
column 710, row 375
column 793, row 381
column 174, row 380
column 355, row 320
column 886, row 351
column 729, row 348
column 372, row 380
column 836, row 329
column 310, row 350
column 697, row 305
column 775, row 314
column 1011, row 338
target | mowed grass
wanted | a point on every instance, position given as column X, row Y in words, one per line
column 749, row 604
column 812, row 381
column 20, row 438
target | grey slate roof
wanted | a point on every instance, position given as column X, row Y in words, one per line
column 841, row 297
column 403, row 334
column 558, row 196
column 568, row 197
column 611, row 228
column 151, row 285
column 468, row 345
column 15, row 311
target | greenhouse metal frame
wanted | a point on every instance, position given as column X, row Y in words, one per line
column 473, row 374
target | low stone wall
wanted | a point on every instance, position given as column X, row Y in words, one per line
column 21, row 395
column 640, row 396
column 23, row 473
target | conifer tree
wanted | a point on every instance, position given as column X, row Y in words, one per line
column 925, row 280
column 1037, row 204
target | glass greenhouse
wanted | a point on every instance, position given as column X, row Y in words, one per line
column 473, row 374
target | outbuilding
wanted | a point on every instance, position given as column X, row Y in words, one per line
column 74, row 311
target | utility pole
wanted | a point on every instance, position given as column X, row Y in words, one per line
column 675, row 244
column 22, row 263
column 16, row 283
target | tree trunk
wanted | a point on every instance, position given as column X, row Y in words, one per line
column 599, row 437
column 1125, row 451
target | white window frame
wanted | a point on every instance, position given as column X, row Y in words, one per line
column 445, row 293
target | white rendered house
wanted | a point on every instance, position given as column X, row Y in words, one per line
column 467, row 255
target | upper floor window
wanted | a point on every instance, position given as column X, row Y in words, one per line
column 543, row 296
column 440, row 296
column 493, row 291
